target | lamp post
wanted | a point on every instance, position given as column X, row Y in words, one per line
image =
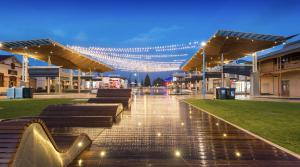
column 222, row 66
column 203, row 44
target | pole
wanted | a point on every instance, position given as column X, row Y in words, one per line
column 48, row 78
column 79, row 80
column 254, row 76
column 91, row 80
column 25, row 71
column 196, row 82
column 203, row 75
column 59, row 81
column 280, row 77
column 222, row 66
column 71, row 79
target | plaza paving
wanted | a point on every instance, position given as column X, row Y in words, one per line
column 162, row 131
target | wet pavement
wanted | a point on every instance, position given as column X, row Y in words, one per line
column 161, row 131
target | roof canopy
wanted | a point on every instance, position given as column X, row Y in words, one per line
column 288, row 49
column 59, row 55
column 233, row 45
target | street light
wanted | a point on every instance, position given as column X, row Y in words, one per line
column 203, row 44
column 1, row 45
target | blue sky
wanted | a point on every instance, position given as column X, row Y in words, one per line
column 137, row 23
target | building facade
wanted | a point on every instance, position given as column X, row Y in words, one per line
column 10, row 72
column 280, row 71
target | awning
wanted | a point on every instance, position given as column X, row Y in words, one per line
column 198, row 77
column 60, row 55
column 233, row 45
column 238, row 69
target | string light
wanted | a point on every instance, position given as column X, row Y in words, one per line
column 146, row 59
column 163, row 48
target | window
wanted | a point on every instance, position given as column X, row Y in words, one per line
column 12, row 66
column 1, row 79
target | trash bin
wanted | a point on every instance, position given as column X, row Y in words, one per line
column 19, row 93
column 217, row 93
column 27, row 92
column 230, row 93
column 10, row 93
column 220, row 93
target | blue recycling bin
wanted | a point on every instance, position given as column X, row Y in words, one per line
column 19, row 92
column 221, row 93
column 230, row 93
column 10, row 93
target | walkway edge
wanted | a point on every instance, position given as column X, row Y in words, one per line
column 246, row 131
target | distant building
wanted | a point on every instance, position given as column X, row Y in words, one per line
column 280, row 71
column 10, row 72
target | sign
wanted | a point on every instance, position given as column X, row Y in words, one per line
column 43, row 72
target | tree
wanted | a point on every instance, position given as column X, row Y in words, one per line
column 158, row 82
column 147, row 81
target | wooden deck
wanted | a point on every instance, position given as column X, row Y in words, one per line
column 161, row 131
column 65, row 123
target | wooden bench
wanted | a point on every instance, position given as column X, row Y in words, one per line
column 114, row 93
column 81, row 115
column 126, row 102
column 123, row 96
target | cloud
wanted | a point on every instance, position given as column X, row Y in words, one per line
column 155, row 34
column 81, row 36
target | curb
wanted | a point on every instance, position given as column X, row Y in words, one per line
column 246, row 131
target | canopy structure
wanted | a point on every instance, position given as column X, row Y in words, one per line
column 231, row 45
column 59, row 55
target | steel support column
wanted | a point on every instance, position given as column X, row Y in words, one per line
column 222, row 70
column 91, row 80
column 25, row 71
column 254, row 76
column 71, row 79
column 48, row 78
column 79, row 80
column 59, row 80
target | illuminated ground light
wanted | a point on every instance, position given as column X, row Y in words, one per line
column 177, row 153
column 139, row 124
column 79, row 144
column 102, row 154
column 182, row 123
column 217, row 124
column 238, row 154
column 79, row 162
column 224, row 135
column 158, row 134
column 190, row 112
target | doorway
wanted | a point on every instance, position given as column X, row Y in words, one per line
column 285, row 87
column 12, row 81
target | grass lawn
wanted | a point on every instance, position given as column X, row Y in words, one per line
column 27, row 107
column 278, row 122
